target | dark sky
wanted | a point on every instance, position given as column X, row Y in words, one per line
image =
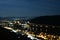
column 29, row 7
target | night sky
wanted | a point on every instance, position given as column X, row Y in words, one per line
column 29, row 7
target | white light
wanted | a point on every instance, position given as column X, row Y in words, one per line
column 11, row 23
column 36, row 25
column 14, row 31
column 18, row 21
column 46, row 26
column 30, row 36
column 22, row 34
column 23, row 24
column 28, row 22
column 8, row 28
column 40, row 25
column 53, row 26
column 33, row 25
column 18, row 37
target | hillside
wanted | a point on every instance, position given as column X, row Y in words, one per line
column 7, row 35
column 50, row 20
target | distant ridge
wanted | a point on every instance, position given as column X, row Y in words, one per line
column 13, row 18
column 50, row 20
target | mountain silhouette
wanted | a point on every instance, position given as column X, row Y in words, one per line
column 49, row 20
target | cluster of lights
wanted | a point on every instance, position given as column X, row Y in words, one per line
column 34, row 36
column 45, row 36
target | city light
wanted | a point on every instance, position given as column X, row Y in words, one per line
column 30, row 30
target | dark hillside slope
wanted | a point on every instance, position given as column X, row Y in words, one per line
column 51, row 20
column 7, row 35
